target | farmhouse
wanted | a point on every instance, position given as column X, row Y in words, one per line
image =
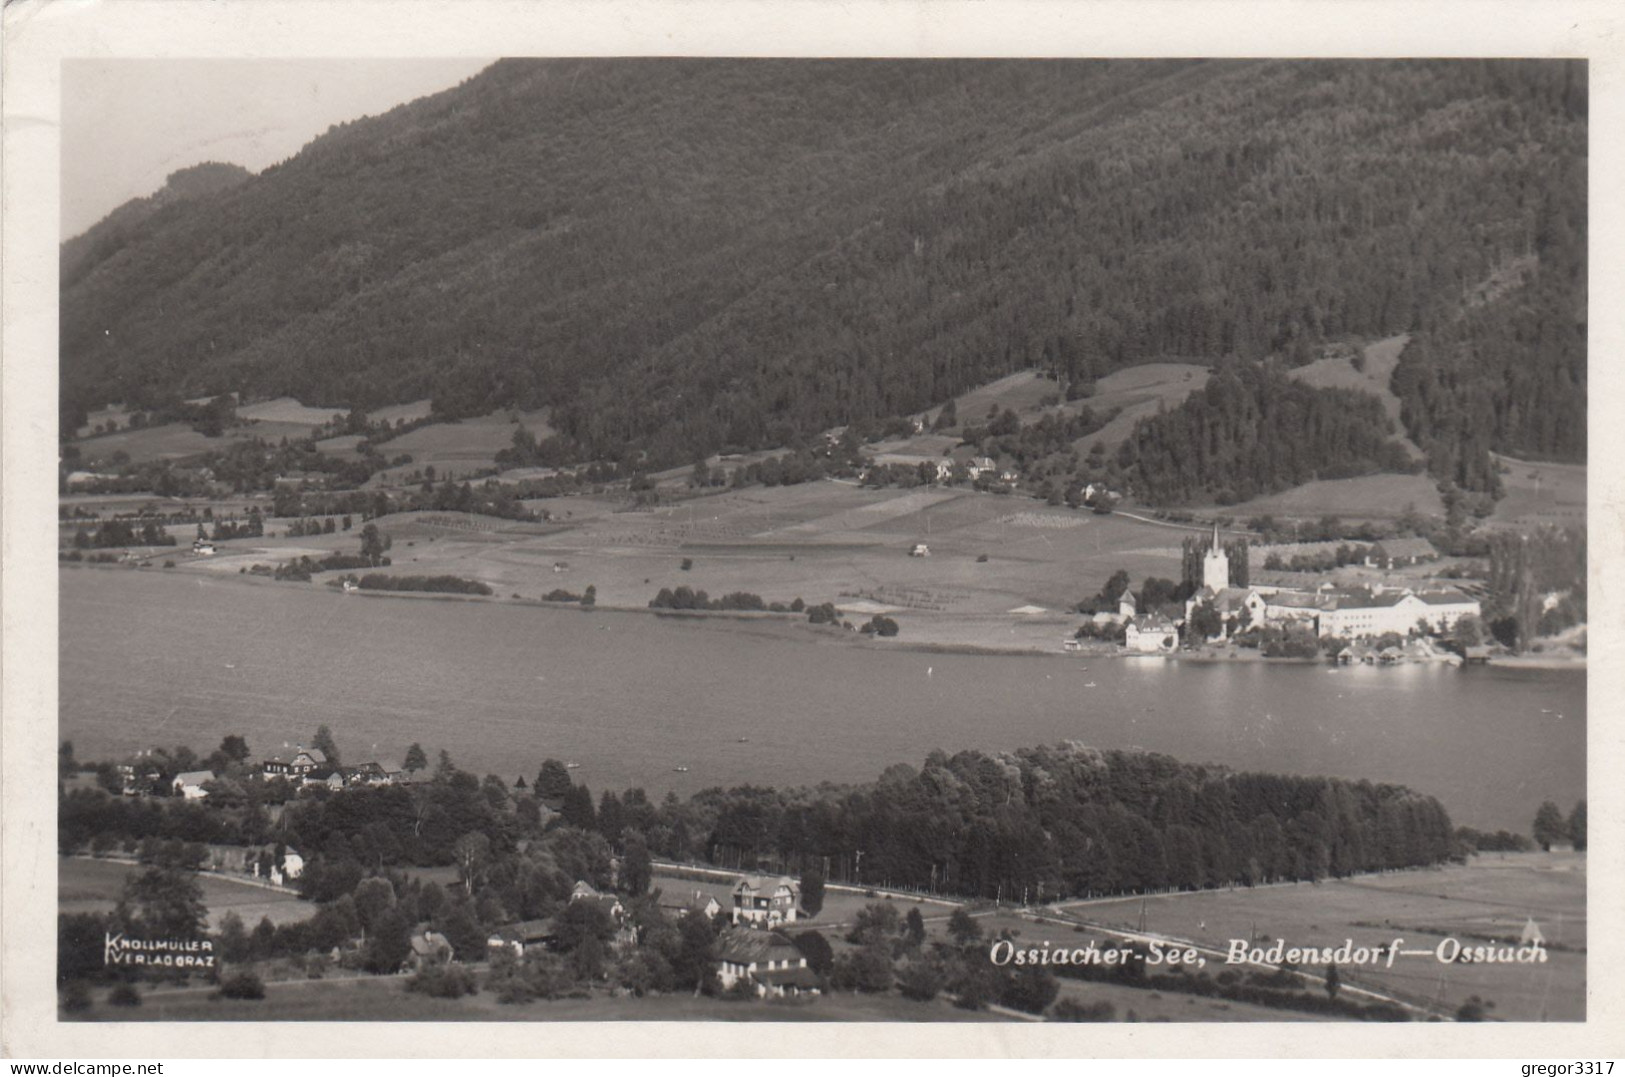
column 190, row 784
column 523, row 936
column 296, row 764
column 1400, row 552
column 429, row 948
column 328, row 776
column 760, row 900
column 766, row 960
column 626, row 932
column 137, row 776
column 697, row 901
column 1150, row 634
column 371, row 773
column 293, row 866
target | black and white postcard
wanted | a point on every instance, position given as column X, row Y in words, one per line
column 567, row 516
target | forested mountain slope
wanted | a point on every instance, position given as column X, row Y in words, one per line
column 102, row 240
column 682, row 255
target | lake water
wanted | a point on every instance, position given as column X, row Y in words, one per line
column 151, row 659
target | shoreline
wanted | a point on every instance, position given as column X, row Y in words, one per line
column 764, row 619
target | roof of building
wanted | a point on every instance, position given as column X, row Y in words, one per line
column 1151, row 622
column 1406, row 547
column 195, row 777
column 526, row 931
column 1297, row 600
column 316, row 755
column 744, row 945
column 427, row 943
column 1363, row 600
column 1445, row 598
column 765, row 882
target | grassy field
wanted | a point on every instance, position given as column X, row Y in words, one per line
column 460, row 448
column 825, row 541
column 1539, row 493
column 417, row 409
column 170, row 441
column 1377, row 497
column 285, row 409
column 95, row 886
column 1139, row 391
column 1018, row 392
column 821, row 541
column 1494, row 895
column 1338, row 372
column 386, row 999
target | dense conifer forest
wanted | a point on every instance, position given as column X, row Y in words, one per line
column 680, row 256
column 1041, row 822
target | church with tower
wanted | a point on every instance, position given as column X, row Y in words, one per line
column 1216, row 565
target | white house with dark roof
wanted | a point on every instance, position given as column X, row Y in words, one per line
column 189, row 784
column 1401, row 552
column 765, row 900
column 1150, row 634
column 294, row 764
column 766, row 960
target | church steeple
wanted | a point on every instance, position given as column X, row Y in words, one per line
column 1216, row 564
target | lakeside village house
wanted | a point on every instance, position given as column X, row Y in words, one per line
column 1354, row 613
column 749, row 950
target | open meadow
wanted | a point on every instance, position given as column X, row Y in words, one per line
column 1139, row 391
column 96, row 885
column 1492, row 897
column 373, row 998
column 457, row 449
column 1541, row 493
column 1367, row 497
column 823, row 541
column 1374, row 375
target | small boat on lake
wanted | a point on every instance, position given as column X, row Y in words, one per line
column 680, row 769
column 572, row 766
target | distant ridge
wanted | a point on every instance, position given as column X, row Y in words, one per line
column 102, row 240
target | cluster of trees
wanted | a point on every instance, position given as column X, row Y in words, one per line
column 488, row 498
column 449, row 585
column 1525, row 571
column 1059, row 821
column 1254, row 430
column 687, row 598
column 879, row 625
column 122, row 532
column 1345, row 554
column 1551, row 827
column 725, row 280
column 587, row 598
column 315, row 526
column 1155, row 593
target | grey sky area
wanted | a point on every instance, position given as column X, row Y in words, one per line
column 127, row 124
